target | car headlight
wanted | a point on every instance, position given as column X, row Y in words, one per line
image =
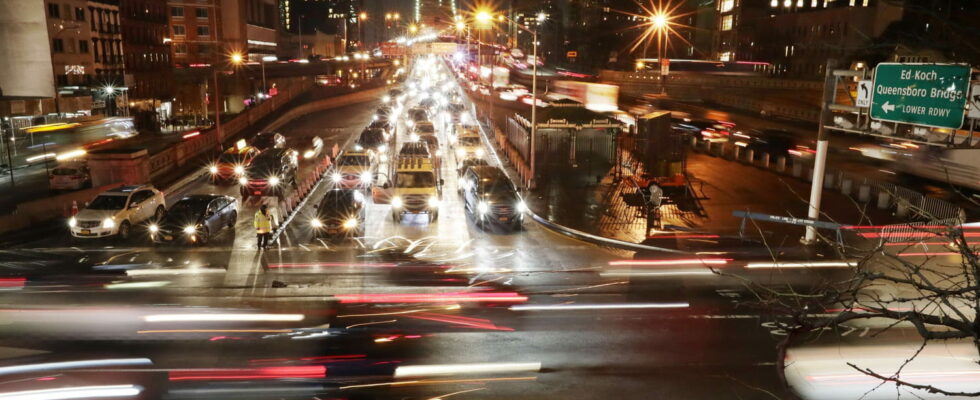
column 190, row 230
column 239, row 169
column 335, row 177
column 522, row 206
column 316, row 223
column 213, row 169
column 396, row 202
column 108, row 223
column 242, row 181
column 350, row 223
column 480, row 152
column 482, row 207
column 385, row 98
column 274, row 180
column 154, row 228
column 460, row 153
column 382, row 149
column 433, row 202
column 384, row 158
column 366, row 177
column 72, row 222
column 413, row 137
column 308, row 154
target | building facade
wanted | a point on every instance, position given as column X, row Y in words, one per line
column 146, row 50
column 250, row 28
column 70, row 38
column 195, row 31
column 107, row 54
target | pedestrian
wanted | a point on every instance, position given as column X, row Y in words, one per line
column 263, row 226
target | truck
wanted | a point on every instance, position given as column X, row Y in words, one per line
column 594, row 96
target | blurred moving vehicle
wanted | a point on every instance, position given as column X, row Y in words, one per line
column 354, row 169
column 313, row 148
column 341, row 213
column 195, row 219
column 490, row 198
column 116, row 211
column 416, row 149
column 423, row 128
column 416, row 188
column 775, row 142
column 232, row 163
column 373, row 139
column 268, row 140
column 72, row 175
column 270, row 173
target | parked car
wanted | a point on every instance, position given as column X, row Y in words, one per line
column 269, row 140
column 71, row 175
column 490, row 198
column 341, row 213
column 270, row 173
column 118, row 211
column 195, row 219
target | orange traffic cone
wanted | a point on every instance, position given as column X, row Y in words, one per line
column 74, row 208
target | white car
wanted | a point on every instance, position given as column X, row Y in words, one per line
column 117, row 211
column 70, row 176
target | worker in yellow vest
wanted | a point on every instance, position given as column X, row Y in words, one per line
column 263, row 226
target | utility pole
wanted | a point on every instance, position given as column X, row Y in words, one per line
column 820, row 164
column 534, row 105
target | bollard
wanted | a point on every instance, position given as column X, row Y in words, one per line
column 694, row 142
column 884, row 198
column 864, row 193
column 737, row 153
column 765, row 160
column 845, row 186
column 828, row 180
column 902, row 208
column 750, row 156
column 781, row 164
column 797, row 169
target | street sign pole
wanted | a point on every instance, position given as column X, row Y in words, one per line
column 820, row 164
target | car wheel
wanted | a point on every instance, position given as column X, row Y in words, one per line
column 234, row 220
column 204, row 236
column 125, row 230
column 158, row 214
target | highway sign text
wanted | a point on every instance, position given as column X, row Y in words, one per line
column 921, row 94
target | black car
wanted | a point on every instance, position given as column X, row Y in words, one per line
column 418, row 114
column 416, row 149
column 270, row 173
column 490, row 198
column 340, row 214
column 268, row 140
column 195, row 219
column 372, row 139
column 470, row 162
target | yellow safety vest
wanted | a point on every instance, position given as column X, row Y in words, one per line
column 263, row 223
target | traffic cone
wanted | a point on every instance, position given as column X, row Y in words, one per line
column 74, row 208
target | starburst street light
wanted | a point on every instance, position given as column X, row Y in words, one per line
column 484, row 17
column 658, row 22
column 236, row 58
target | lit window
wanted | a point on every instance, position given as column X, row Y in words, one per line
column 799, row 3
column 179, row 30
column 787, row 3
column 774, row 3
column 726, row 56
column 813, row 4
column 726, row 23
column 726, row 5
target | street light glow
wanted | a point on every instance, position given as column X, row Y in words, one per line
column 236, row 58
column 483, row 17
column 542, row 16
column 460, row 25
column 659, row 21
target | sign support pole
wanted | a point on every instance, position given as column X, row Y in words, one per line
column 820, row 165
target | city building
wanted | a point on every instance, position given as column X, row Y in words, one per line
column 26, row 71
column 146, row 50
column 250, row 28
column 107, row 55
column 70, row 36
column 195, row 31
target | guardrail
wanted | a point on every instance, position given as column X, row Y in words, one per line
column 903, row 202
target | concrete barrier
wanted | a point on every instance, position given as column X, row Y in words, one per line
column 884, row 200
column 864, row 193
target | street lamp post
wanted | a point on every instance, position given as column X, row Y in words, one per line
column 265, row 86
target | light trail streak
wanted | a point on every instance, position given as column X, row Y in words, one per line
column 573, row 307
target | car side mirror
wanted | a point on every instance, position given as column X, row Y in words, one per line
column 133, row 205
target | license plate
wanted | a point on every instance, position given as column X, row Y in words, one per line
column 503, row 218
column 332, row 231
column 86, row 231
column 257, row 192
column 168, row 237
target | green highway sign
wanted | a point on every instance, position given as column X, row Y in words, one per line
column 921, row 94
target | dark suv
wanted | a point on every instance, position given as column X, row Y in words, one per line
column 490, row 198
column 269, row 173
column 340, row 214
column 268, row 140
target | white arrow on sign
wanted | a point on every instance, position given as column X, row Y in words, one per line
column 887, row 107
column 863, row 94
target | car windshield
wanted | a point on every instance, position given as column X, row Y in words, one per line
column 188, row 207
column 469, row 141
column 264, row 141
column 348, row 160
column 414, row 180
column 425, row 128
column 104, row 202
column 494, row 184
column 64, row 171
column 231, row 158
